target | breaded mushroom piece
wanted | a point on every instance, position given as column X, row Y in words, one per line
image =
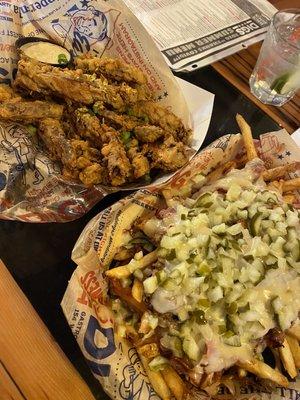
column 148, row 133
column 168, row 156
column 116, row 160
column 29, row 111
column 7, row 93
column 140, row 163
column 161, row 116
column 114, row 69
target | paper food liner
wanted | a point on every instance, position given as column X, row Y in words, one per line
column 31, row 186
column 114, row 363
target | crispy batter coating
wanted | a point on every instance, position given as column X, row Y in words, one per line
column 91, row 175
column 115, row 158
column 139, row 162
column 108, row 129
column 130, row 95
column 114, row 69
column 74, row 85
column 88, row 126
column 119, row 168
column 148, row 133
column 29, row 111
column 162, row 117
column 168, row 156
column 51, row 132
column 7, row 93
column 77, row 157
column 86, row 163
column 118, row 121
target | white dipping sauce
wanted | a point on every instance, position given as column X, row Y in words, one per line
column 45, row 52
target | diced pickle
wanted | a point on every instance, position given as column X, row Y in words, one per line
column 205, row 200
column 232, row 308
column 199, row 317
column 204, row 303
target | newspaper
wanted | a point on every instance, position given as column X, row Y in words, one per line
column 114, row 362
column 195, row 33
column 32, row 188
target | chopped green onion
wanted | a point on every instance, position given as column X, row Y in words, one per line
column 95, row 108
column 62, row 59
column 31, row 129
column 146, row 118
column 125, row 137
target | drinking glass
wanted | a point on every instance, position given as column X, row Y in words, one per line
column 276, row 76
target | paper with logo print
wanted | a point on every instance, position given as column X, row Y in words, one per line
column 31, row 186
column 113, row 362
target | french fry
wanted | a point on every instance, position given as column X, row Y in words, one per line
column 125, row 271
column 295, row 349
column 287, row 359
column 263, row 370
column 156, row 379
column 125, row 295
column 137, row 290
column 174, row 382
column 291, row 184
column 279, row 172
column 295, row 332
column 149, row 350
column 289, row 198
column 247, row 136
column 276, row 185
column 123, row 254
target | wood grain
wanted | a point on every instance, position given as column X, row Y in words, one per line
column 8, row 388
column 238, row 68
column 32, row 365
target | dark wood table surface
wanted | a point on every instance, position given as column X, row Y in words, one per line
column 237, row 69
column 38, row 255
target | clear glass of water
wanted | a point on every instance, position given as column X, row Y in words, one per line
column 276, row 76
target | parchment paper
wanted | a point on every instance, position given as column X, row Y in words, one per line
column 114, row 363
column 31, row 186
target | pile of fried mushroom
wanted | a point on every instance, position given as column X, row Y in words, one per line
column 99, row 120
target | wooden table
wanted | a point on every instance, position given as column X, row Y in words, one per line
column 32, row 365
column 237, row 70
